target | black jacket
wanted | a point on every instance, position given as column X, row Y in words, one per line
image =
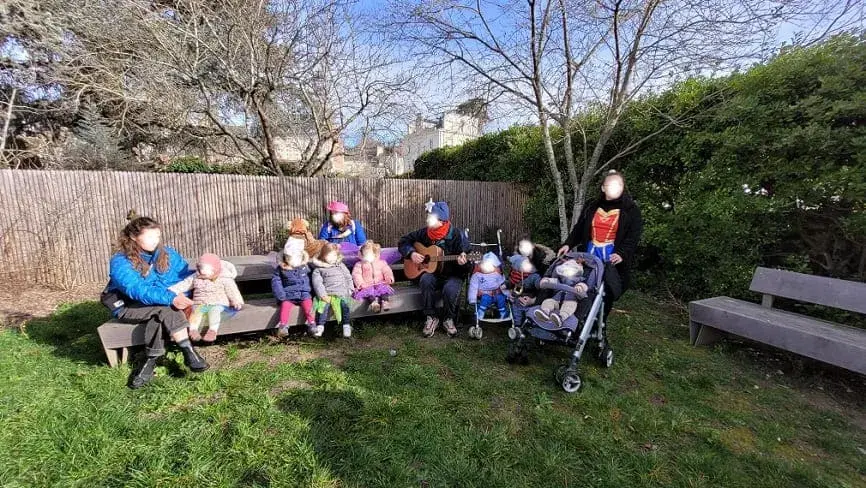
column 627, row 235
column 455, row 242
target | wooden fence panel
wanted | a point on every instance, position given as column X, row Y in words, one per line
column 59, row 227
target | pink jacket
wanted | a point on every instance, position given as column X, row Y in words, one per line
column 368, row 274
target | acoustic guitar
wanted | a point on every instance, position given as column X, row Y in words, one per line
column 434, row 260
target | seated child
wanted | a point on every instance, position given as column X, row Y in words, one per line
column 563, row 304
column 291, row 286
column 213, row 291
column 332, row 283
column 487, row 286
column 373, row 278
column 523, row 285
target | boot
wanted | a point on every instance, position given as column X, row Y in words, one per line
column 144, row 374
column 193, row 361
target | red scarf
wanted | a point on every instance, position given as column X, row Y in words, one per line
column 439, row 233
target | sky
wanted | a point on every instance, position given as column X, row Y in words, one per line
column 436, row 94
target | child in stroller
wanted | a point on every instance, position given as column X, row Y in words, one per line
column 571, row 316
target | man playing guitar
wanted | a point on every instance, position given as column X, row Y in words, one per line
column 451, row 272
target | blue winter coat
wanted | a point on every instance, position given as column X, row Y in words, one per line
column 329, row 232
column 291, row 284
column 151, row 289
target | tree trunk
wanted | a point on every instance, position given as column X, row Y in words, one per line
column 5, row 132
column 557, row 176
column 578, row 189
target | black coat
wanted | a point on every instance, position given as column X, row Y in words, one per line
column 627, row 234
column 455, row 242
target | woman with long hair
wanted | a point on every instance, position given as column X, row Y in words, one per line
column 140, row 274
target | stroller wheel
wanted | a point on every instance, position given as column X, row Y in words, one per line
column 571, row 382
column 559, row 373
column 607, row 357
column 475, row 332
column 513, row 333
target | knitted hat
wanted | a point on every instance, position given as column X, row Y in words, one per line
column 491, row 258
column 336, row 206
column 439, row 209
column 213, row 260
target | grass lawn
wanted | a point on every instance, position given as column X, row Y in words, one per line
column 440, row 413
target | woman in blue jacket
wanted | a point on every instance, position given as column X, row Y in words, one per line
column 140, row 273
column 340, row 227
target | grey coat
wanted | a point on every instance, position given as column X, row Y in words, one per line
column 331, row 279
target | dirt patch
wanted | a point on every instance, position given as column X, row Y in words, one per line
column 289, row 385
column 739, row 440
column 19, row 304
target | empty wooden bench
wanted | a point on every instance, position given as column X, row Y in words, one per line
column 825, row 341
column 257, row 315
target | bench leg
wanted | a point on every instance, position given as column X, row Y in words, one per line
column 701, row 334
column 124, row 355
column 111, row 355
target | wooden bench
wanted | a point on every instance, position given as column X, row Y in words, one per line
column 825, row 341
column 257, row 315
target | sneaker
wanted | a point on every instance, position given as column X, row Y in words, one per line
column 541, row 315
column 320, row 329
column 430, row 326
column 194, row 335
column 311, row 329
column 283, row 330
column 386, row 305
column 210, row 336
column 347, row 331
column 556, row 319
column 450, row 328
column 375, row 307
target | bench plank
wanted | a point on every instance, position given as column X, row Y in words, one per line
column 257, row 315
column 261, row 267
column 820, row 290
column 818, row 339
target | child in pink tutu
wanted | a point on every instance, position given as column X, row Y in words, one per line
column 373, row 278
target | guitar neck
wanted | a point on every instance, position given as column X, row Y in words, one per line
column 453, row 257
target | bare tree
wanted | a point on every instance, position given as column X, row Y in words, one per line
column 267, row 82
column 563, row 58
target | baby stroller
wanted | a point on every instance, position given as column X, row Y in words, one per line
column 576, row 332
column 476, row 332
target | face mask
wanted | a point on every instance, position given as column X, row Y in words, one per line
column 433, row 221
column 338, row 217
column 613, row 188
column 369, row 257
column 525, row 248
column 486, row 267
column 295, row 261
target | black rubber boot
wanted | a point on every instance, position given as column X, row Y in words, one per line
column 144, row 374
column 193, row 361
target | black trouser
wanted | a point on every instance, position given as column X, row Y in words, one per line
column 450, row 286
column 156, row 318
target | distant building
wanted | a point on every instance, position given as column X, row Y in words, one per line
column 369, row 159
column 453, row 128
